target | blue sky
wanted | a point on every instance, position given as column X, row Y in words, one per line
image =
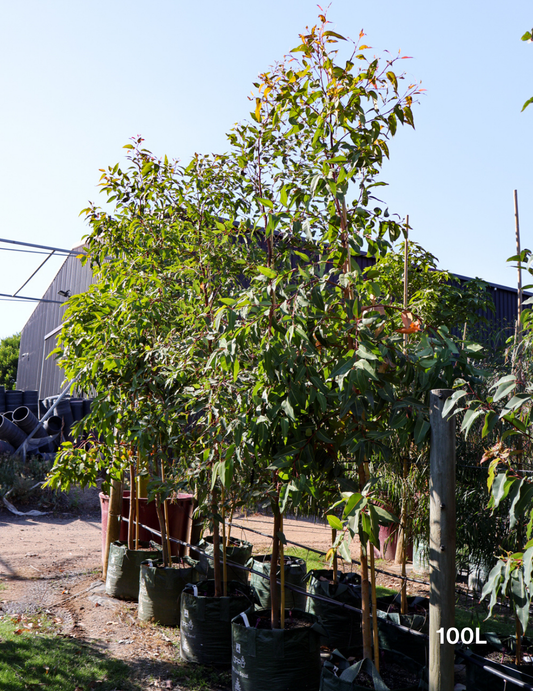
column 80, row 79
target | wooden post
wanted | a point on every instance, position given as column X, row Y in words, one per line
column 441, row 543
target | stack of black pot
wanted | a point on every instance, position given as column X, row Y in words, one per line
column 19, row 416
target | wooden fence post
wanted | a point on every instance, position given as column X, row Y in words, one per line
column 441, row 543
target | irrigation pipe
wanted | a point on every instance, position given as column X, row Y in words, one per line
column 317, row 551
column 422, row 636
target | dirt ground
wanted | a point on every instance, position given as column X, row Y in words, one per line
column 53, row 562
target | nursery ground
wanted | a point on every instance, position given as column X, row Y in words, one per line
column 50, row 579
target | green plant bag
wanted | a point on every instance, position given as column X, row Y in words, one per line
column 275, row 660
column 124, row 568
column 160, row 589
column 295, row 572
column 343, row 626
column 205, row 622
column 238, row 551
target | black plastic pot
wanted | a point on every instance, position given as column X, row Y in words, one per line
column 342, row 626
column 295, row 572
column 265, row 659
column 87, row 406
column 14, row 399
column 160, row 589
column 205, row 623
column 124, row 569
column 76, row 406
column 30, row 399
column 238, row 551
column 26, row 420
column 2, row 399
column 53, row 427
column 10, row 432
column 64, row 411
column 339, row 675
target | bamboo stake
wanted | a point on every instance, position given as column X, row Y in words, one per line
column 374, row 608
column 165, row 509
column 274, row 592
column 224, row 551
column 216, row 544
column 113, row 519
column 334, row 560
column 365, row 588
column 282, row 575
column 230, row 523
column 519, row 277
column 131, row 514
column 518, row 356
column 402, row 534
column 137, row 504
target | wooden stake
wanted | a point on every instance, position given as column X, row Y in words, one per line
column 131, row 515
column 334, row 560
column 137, row 489
column 114, row 513
column 441, row 543
column 275, row 599
column 165, row 509
column 519, row 277
column 374, row 608
column 216, row 545
column 282, row 576
column 224, row 552
column 365, row 586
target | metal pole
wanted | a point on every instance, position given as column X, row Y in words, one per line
column 441, row 543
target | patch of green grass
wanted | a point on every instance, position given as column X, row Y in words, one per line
column 384, row 592
column 32, row 656
column 312, row 560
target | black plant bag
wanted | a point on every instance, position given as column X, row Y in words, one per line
column 238, row 551
column 205, row 624
column 408, row 642
column 343, row 626
column 478, row 678
column 275, row 659
column 160, row 589
column 295, row 572
column 124, row 568
column 339, row 675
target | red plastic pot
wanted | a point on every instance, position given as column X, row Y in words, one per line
column 179, row 519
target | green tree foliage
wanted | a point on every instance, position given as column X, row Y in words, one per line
column 436, row 296
column 9, row 357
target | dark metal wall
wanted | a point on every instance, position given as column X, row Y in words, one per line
column 39, row 335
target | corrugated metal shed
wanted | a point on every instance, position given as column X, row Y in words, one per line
column 39, row 335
